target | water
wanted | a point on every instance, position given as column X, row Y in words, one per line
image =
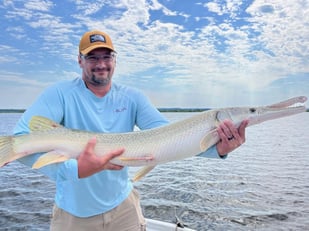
column 264, row 185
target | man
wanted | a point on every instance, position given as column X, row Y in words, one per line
column 92, row 193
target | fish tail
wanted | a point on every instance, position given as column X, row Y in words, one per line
column 6, row 150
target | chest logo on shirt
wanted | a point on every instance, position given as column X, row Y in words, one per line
column 121, row 109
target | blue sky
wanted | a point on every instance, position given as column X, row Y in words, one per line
column 180, row 53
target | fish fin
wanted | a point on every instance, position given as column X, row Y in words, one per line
column 141, row 158
column 6, row 150
column 141, row 173
column 209, row 140
column 51, row 157
column 40, row 123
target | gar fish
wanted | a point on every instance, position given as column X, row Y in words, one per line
column 149, row 148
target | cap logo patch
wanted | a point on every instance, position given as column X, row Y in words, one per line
column 97, row 38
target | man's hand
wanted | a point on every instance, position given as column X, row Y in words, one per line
column 89, row 163
column 230, row 137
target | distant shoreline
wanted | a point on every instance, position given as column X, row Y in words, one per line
column 160, row 109
column 12, row 110
column 183, row 109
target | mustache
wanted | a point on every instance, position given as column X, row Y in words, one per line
column 100, row 69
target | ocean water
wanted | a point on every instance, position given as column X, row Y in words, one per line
column 263, row 185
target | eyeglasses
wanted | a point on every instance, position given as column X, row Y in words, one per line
column 96, row 58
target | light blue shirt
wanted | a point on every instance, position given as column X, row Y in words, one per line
column 73, row 105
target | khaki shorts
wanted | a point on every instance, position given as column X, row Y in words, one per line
column 126, row 217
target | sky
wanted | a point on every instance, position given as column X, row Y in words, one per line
column 180, row 53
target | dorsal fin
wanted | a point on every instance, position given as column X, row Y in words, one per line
column 40, row 123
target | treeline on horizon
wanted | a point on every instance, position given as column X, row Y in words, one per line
column 160, row 109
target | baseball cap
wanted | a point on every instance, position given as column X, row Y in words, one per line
column 94, row 39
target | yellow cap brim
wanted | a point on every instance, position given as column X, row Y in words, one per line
column 91, row 48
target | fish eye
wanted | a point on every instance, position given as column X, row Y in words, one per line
column 252, row 110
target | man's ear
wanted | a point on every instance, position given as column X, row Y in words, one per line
column 79, row 60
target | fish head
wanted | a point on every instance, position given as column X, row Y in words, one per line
column 256, row 115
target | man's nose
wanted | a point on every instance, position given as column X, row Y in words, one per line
column 101, row 63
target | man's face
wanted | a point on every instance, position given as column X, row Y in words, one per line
column 98, row 66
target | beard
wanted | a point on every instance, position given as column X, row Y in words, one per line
column 100, row 81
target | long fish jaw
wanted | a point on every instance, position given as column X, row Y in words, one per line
column 289, row 102
column 257, row 115
column 278, row 110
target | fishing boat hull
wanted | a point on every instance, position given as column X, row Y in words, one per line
column 155, row 225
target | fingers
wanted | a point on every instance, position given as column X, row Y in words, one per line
column 227, row 131
column 111, row 166
column 90, row 145
column 89, row 149
column 229, row 128
column 231, row 137
column 89, row 163
column 242, row 129
column 111, row 155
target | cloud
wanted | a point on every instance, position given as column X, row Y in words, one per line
column 230, row 7
column 213, row 48
column 38, row 5
column 19, row 79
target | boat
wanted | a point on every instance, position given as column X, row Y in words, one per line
column 156, row 225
